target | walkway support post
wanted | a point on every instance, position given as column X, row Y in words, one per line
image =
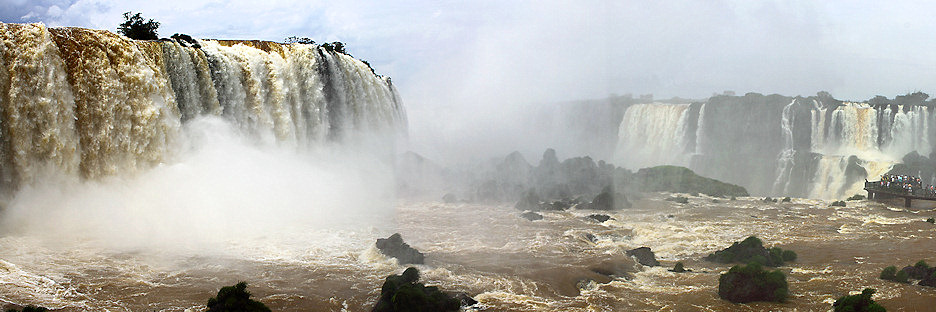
column 907, row 202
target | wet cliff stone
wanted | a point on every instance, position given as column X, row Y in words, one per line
column 644, row 256
column 394, row 246
column 532, row 216
column 608, row 199
column 530, row 201
column 186, row 40
column 404, row 292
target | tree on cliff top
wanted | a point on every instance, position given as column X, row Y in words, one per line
column 135, row 27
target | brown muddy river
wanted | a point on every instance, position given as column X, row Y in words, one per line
column 507, row 263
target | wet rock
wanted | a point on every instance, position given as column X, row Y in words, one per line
column 449, row 198
column 678, row 268
column 404, row 292
column 644, row 256
column 394, row 246
column 532, row 216
column 186, row 40
column 590, row 237
column 612, row 268
column 600, row 217
column 464, row 298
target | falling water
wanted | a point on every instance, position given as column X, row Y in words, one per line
column 653, row 134
column 91, row 103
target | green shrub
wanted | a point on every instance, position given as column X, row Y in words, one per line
column 134, row 27
column 235, row 299
column 889, row 273
column 752, row 249
column 858, row 303
column 902, row 277
column 838, row 203
column 786, row 200
column 752, row 283
column 857, row 197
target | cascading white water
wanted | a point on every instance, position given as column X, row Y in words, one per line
column 786, row 160
column 653, row 134
column 909, row 132
column 700, row 132
column 91, row 102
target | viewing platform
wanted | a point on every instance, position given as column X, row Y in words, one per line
column 876, row 189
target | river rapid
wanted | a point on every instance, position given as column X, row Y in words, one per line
column 505, row 262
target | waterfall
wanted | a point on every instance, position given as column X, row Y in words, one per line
column 786, row 160
column 781, row 146
column 91, row 103
column 653, row 134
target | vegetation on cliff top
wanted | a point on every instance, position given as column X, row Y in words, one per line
column 135, row 27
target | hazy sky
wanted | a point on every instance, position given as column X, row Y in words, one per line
column 453, row 58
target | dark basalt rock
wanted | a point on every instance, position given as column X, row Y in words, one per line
column 644, row 256
column 679, row 268
column 465, row 299
column 532, row 216
column 404, row 292
column 590, row 237
column 235, row 299
column 394, row 246
column 186, row 40
column 600, row 217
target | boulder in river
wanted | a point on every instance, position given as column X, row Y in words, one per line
column 532, row 216
column 404, row 292
column 644, row 256
column 394, row 246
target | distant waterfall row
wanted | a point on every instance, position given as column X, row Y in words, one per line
column 776, row 145
column 92, row 103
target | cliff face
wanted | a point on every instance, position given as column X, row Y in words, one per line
column 91, row 103
column 776, row 145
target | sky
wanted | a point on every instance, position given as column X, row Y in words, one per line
column 461, row 60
